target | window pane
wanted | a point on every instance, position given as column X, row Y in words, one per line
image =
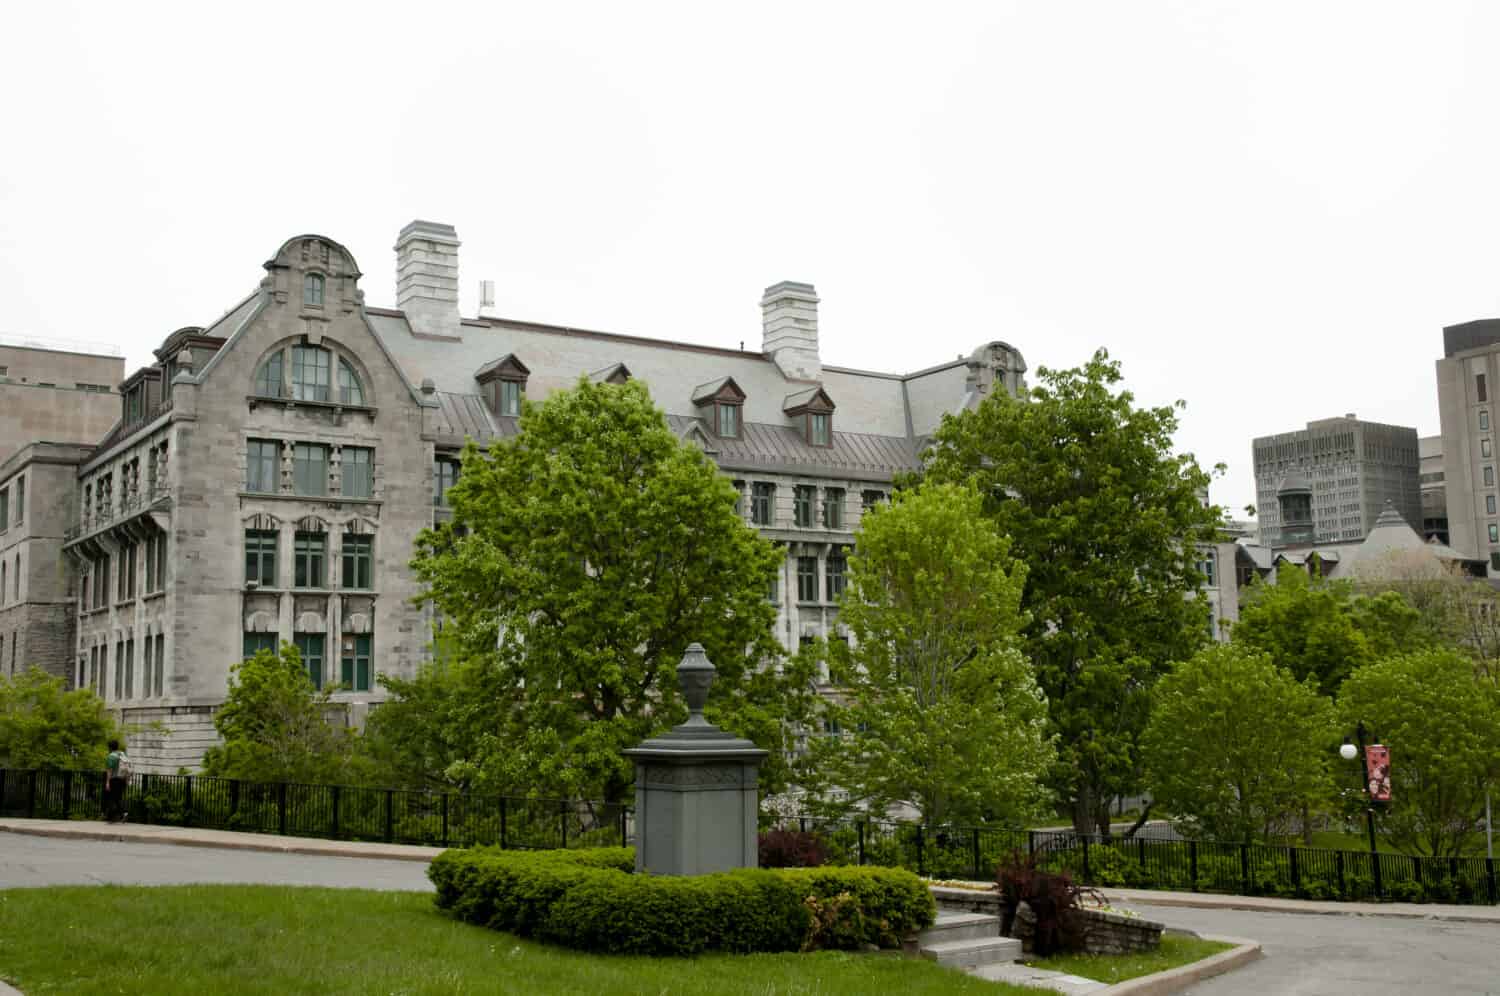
column 308, row 559
column 359, row 472
column 819, row 430
column 357, row 561
column 261, row 475
column 268, row 379
column 836, row 566
column 310, row 366
column 510, row 397
column 350, row 390
column 729, row 421
column 761, row 507
column 310, row 469
column 1489, row 477
column 807, row 579
column 256, row 642
column 355, row 665
column 260, row 557
column 312, row 290
column 1484, row 420
column 444, row 476
column 310, row 646
column 833, row 508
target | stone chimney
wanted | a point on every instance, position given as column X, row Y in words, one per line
column 427, row 277
column 789, row 322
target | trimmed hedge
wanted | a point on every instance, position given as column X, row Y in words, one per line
column 590, row 900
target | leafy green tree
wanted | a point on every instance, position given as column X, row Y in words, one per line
column 276, row 727
column 1324, row 629
column 1107, row 520
column 941, row 707
column 1442, row 726
column 42, row 725
column 583, row 557
column 1236, row 747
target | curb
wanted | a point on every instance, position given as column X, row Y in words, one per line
column 1176, row 979
column 251, row 842
column 1249, row 904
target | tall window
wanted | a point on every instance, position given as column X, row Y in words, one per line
column 802, row 504
column 444, row 476
column 256, row 642
column 119, row 669
column 833, row 508
column 762, row 496
column 1489, row 477
column 20, row 490
column 1484, row 421
column 510, row 397
column 310, row 646
column 819, row 429
column 5, row 509
column 310, row 469
column 729, row 421
column 130, row 669
column 1489, row 504
column 269, row 381
column 354, row 666
column 359, row 472
column 312, row 290
column 310, row 373
column 1484, row 447
column 351, row 392
column 161, row 561
column 127, row 572
column 359, row 558
column 101, row 582
column 308, row 554
column 1494, row 533
column 807, row 579
column 870, row 499
column 262, row 457
column 161, row 664
column 834, row 568
column 150, row 565
column 1480, row 394
column 1209, row 565
column 260, row 557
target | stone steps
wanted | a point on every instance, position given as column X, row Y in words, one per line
column 967, row 940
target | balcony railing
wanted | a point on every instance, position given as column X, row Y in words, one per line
column 131, row 505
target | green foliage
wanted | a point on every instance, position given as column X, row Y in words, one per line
column 1106, row 519
column 1324, row 629
column 583, row 557
column 42, row 725
column 275, row 726
column 941, row 708
column 586, row 900
column 1236, row 747
column 1442, row 726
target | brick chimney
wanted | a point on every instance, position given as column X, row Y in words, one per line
column 789, row 322
column 427, row 277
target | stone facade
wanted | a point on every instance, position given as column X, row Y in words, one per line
column 56, row 396
column 1466, row 377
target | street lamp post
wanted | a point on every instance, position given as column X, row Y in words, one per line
column 1348, row 752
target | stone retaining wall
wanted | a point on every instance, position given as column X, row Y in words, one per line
column 1104, row 932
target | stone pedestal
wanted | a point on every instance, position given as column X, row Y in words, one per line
column 696, row 789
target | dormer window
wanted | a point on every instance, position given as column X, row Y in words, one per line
column 815, row 409
column 312, row 290
column 503, row 384
column 727, row 420
column 726, row 401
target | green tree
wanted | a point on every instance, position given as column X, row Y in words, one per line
column 42, row 725
column 1107, row 520
column 941, row 707
column 583, row 556
column 1324, row 629
column 1236, row 747
column 1442, row 726
column 275, row 725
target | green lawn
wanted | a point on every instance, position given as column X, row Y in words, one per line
column 1174, row 951
column 268, row 939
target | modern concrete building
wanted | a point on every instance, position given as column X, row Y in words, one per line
column 268, row 474
column 1330, row 481
column 1466, row 377
column 1432, row 478
column 56, row 395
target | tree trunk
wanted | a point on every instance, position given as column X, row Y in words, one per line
column 1083, row 809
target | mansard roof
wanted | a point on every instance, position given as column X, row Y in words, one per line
column 723, row 389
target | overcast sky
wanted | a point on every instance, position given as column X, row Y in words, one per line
column 1268, row 210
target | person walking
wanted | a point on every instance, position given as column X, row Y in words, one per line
column 116, row 780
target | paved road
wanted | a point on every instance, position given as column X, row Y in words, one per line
column 1337, row 955
column 36, row 861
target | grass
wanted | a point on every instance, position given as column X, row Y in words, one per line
column 271, row 939
column 1174, row 951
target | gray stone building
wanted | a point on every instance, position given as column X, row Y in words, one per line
column 1433, row 480
column 269, row 473
column 1466, row 376
column 1329, row 482
column 57, row 395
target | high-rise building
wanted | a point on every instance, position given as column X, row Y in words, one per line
column 1434, row 489
column 1330, row 481
column 1466, row 376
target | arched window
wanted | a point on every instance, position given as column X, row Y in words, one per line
column 350, row 390
column 310, row 373
column 268, row 379
column 312, row 290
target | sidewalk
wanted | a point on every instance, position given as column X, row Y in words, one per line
column 137, row 833
column 1266, row 904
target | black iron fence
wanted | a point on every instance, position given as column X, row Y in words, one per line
column 972, row 853
column 336, row 812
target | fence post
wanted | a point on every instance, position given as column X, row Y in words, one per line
column 1140, row 853
column 31, row 797
column 921, row 856
column 390, row 816
column 624, row 823
column 502, row 823
column 1291, row 856
column 1338, row 860
column 187, row 801
column 281, row 808
column 1193, row 862
column 445, row 819
column 802, row 824
column 1375, row 865
column 1489, row 877
column 334, row 816
column 862, row 825
column 1088, row 877
column 975, row 831
column 67, row 794
column 1030, row 843
column 234, row 802
column 1245, row 868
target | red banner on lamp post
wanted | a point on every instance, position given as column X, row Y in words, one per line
column 1378, row 772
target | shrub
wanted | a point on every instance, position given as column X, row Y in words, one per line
column 792, row 849
column 1052, row 898
column 587, row 899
